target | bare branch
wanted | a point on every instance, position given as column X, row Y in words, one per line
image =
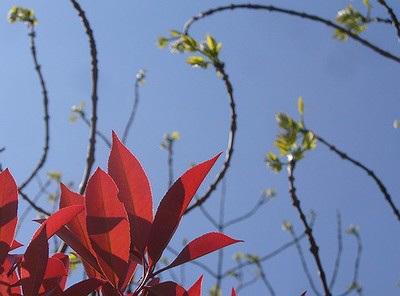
column 339, row 251
column 46, row 117
column 33, row 204
column 308, row 230
column 368, row 171
column 311, row 17
column 392, row 16
column 264, row 279
column 100, row 134
column 247, row 215
column 90, row 158
column 229, row 150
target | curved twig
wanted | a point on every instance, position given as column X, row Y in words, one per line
column 133, row 113
column 46, row 117
column 313, row 245
column 264, row 279
column 229, row 150
column 247, row 215
column 393, row 17
column 365, row 169
column 100, row 134
column 339, row 251
column 90, row 158
column 33, row 204
column 292, row 13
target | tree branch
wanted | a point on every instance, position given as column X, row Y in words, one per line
column 339, row 252
column 393, row 17
column 46, row 117
column 313, row 245
column 219, row 67
column 311, row 17
column 90, row 158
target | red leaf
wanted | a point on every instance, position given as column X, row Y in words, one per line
column 65, row 260
column 34, row 262
column 173, row 206
column 167, row 289
column 15, row 245
column 233, row 292
column 71, row 240
column 78, row 225
column 107, row 226
column 84, row 288
column 8, row 212
column 201, row 246
column 58, row 219
column 195, row 290
column 6, row 281
column 134, row 192
column 55, row 272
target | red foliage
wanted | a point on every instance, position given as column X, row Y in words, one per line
column 111, row 228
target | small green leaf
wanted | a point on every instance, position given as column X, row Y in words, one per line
column 218, row 48
column 162, row 41
column 189, row 43
column 300, row 105
column 309, row 141
column 273, row 162
column 367, row 3
column 174, row 33
column 197, row 61
column 210, row 42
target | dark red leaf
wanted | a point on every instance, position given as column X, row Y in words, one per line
column 107, row 226
column 6, row 281
column 15, row 245
column 8, row 212
column 34, row 262
column 167, row 289
column 201, row 246
column 84, row 288
column 173, row 206
column 65, row 260
column 78, row 225
column 195, row 290
column 71, row 240
column 55, row 272
column 134, row 192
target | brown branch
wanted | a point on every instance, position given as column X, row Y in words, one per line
column 292, row 13
column 393, row 17
column 46, row 117
column 229, row 150
column 90, row 158
column 308, row 230
column 368, row 171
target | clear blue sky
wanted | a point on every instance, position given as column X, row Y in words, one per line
column 351, row 97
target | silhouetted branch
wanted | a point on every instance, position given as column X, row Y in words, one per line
column 367, row 170
column 46, row 117
column 250, row 213
column 339, row 251
column 33, row 204
column 313, row 245
column 219, row 67
column 292, row 13
column 264, row 279
column 90, row 158
column 392, row 16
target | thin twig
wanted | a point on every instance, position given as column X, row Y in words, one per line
column 392, row 16
column 133, row 113
column 90, row 158
column 100, row 134
column 247, row 215
column 270, row 255
column 170, row 164
column 365, row 169
column 339, row 250
column 264, row 279
column 46, row 117
column 292, row 13
column 221, row 228
column 246, row 284
column 33, row 204
column 232, row 132
column 304, row 263
column 313, row 245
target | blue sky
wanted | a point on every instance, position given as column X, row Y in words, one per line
column 351, row 97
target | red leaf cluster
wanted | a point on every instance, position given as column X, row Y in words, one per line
column 113, row 230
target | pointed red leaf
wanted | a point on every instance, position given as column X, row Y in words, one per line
column 107, row 226
column 201, row 246
column 65, row 260
column 6, row 281
column 233, row 292
column 129, row 274
column 15, row 245
column 55, row 272
column 8, row 212
column 167, row 289
column 195, row 290
column 58, row 219
column 134, row 192
column 71, row 240
column 34, row 262
column 173, row 206
column 84, row 288
column 78, row 225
